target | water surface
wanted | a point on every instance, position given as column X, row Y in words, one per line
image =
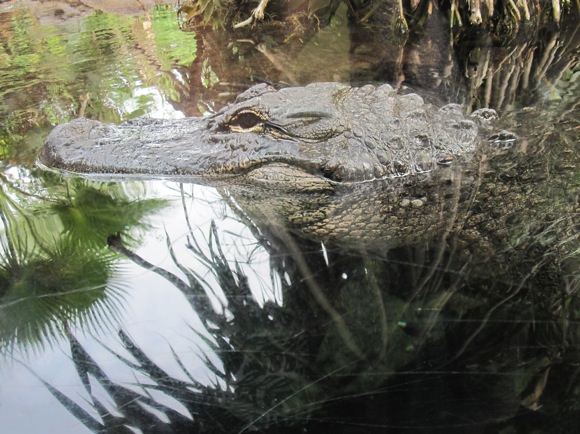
column 156, row 306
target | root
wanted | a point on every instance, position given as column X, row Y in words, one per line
column 256, row 15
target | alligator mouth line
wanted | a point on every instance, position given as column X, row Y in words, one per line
column 216, row 174
column 309, row 168
column 304, row 166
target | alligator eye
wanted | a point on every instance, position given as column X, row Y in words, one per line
column 246, row 120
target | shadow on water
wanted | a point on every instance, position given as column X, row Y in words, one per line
column 473, row 328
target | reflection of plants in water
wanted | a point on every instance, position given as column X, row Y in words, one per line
column 212, row 13
column 515, row 73
column 487, row 13
column 103, row 71
column 510, row 13
column 89, row 215
column 55, row 268
column 478, row 68
column 172, row 46
column 352, row 336
column 42, row 293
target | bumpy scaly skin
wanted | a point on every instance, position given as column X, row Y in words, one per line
column 330, row 131
column 384, row 213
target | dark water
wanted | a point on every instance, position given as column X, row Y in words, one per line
column 202, row 316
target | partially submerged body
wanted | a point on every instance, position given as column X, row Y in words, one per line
column 332, row 162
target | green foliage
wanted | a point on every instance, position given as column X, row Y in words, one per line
column 48, row 76
column 91, row 215
column 172, row 45
column 42, row 294
column 56, row 271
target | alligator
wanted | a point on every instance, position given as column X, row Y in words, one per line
column 323, row 131
column 332, row 161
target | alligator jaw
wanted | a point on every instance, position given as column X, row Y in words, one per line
column 182, row 149
column 152, row 148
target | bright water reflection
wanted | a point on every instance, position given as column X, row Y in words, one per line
column 174, row 308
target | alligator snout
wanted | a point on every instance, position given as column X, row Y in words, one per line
column 140, row 147
column 72, row 144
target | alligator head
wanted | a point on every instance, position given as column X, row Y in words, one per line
column 307, row 136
